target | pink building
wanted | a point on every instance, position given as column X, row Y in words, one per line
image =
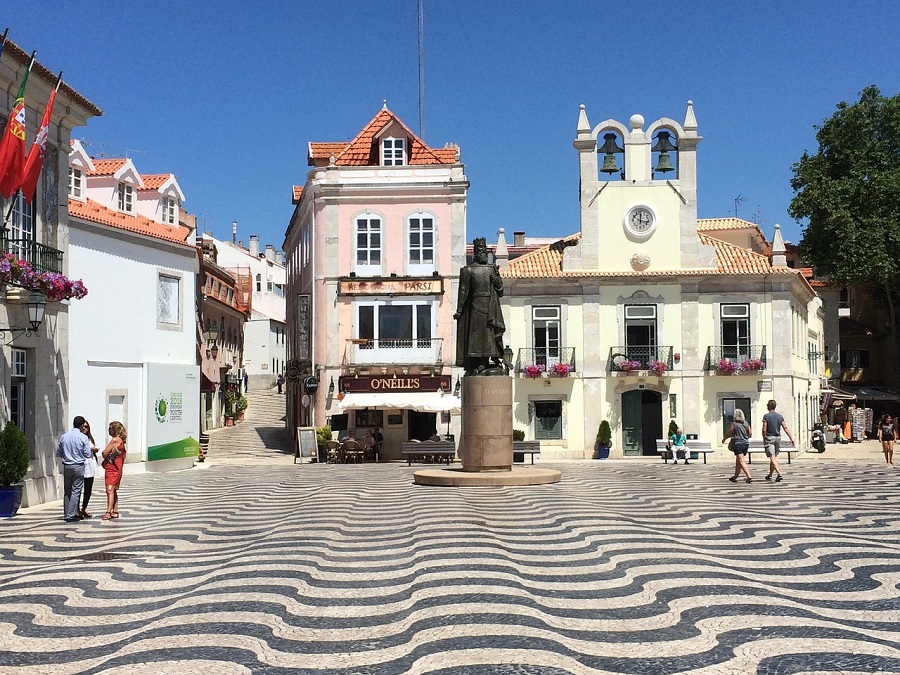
column 373, row 253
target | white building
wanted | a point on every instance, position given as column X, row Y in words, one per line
column 264, row 333
column 140, row 318
column 660, row 316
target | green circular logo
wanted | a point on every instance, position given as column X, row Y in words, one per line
column 162, row 408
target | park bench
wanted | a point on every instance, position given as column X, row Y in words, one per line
column 757, row 447
column 693, row 446
column 429, row 452
column 522, row 448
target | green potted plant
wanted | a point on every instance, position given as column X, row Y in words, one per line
column 231, row 397
column 13, row 467
column 604, row 440
column 323, row 435
column 240, row 405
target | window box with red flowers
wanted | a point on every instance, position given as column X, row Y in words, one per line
column 726, row 367
column 534, row 370
column 52, row 284
column 627, row 365
column 658, row 368
column 753, row 365
column 561, row 369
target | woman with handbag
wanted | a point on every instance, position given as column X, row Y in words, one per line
column 90, row 470
column 739, row 432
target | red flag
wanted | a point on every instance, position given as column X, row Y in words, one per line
column 12, row 145
column 36, row 154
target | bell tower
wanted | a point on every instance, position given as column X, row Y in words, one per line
column 638, row 195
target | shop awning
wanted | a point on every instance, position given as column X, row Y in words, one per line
column 838, row 394
column 870, row 394
column 432, row 401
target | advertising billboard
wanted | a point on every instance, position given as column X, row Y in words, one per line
column 173, row 418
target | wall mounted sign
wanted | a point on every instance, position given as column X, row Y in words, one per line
column 391, row 286
column 387, row 384
column 302, row 328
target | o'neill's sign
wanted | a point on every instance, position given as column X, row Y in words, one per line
column 384, row 383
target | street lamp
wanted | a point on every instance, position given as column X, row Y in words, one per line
column 212, row 334
column 331, row 386
column 37, row 304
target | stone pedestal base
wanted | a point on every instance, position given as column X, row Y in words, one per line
column 486, row 419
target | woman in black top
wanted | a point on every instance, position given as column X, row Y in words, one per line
column 886, row 435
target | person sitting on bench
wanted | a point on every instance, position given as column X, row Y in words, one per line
column 677, row 445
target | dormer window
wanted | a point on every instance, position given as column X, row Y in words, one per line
column 126, row 198
column 76, row 183
column 169, row 210
column 393, row 152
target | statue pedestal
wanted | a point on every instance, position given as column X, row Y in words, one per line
column 486, row 419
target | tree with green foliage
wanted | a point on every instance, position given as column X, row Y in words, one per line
column 849, row 195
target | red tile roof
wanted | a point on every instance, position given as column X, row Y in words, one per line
column 154, row 180
column 96, row 213
column 297, row 192
column 106, row 167
column 546, row 262
column 363, row 150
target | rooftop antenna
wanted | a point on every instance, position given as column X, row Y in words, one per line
column 127, row 150
column 737, row 202
column 233, row 231
column 421, row 70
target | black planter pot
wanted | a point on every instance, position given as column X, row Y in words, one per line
column 10, row 500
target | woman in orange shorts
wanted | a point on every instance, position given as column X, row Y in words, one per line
column 113, row 461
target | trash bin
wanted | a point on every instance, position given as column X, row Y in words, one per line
column 689, row 438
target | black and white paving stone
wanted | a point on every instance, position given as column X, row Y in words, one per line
column 622, row 567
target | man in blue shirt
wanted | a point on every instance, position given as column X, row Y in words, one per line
column 74, row 448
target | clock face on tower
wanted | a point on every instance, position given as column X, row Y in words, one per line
column 640, row 221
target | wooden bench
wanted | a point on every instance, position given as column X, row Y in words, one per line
column 428, row 451
column 757, row 447
column 525, row 448
column 694, row 445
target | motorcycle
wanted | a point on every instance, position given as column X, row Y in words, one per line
column 817, row 440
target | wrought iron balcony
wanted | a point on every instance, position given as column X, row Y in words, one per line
column 545, row 359
column 736, row 359
column 640, row 357
column 41, row 258
column 417, row 351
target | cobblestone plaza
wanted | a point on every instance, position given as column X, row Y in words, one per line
column 622, row 567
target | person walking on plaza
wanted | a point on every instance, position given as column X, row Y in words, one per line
column 74, row 449
column 90, row 470
column 280, row 382
column 379, row 443
column 677, row 444
column 886, row 435
column 773, row 423
column 113, row 461
column 739, row 432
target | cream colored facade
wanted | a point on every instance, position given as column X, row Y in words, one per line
column 645, row 281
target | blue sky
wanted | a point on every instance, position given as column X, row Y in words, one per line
column 227, row 95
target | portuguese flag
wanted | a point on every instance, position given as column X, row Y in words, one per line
column 12, row 145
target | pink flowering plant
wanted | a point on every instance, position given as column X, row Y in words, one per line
column 751, row 365
column 534, row 370
column 52, row 284
column 561, row 369
column 726, row 367
column 659, row 367
column 627, row 365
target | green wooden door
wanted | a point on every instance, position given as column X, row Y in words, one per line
column 631, row 422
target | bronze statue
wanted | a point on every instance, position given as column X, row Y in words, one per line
column 479, row 333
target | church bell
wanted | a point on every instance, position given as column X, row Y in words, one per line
column 663, row 146
column 609, row 159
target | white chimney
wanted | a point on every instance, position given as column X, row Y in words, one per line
column 270, row 253
column 254, row 245
column 279, row 258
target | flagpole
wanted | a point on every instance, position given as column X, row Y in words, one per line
column 3, row 43
column 16, row 193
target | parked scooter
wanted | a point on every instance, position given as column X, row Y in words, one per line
column 817, row 440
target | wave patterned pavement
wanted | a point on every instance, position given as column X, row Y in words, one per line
column 623, row 567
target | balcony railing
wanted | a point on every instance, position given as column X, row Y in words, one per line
column 41, row 258
column 424, row 351
column 639, row 357
column 736, row 359
column 545, row 358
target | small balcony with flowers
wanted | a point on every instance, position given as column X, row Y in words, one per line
column 641, row 359
column 28, row 267
column 736, row 359
column 545, row 362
